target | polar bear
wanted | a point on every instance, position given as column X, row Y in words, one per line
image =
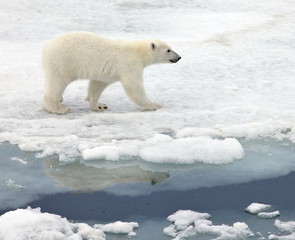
column 103, row 61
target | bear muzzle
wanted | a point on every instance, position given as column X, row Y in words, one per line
column 175, row 59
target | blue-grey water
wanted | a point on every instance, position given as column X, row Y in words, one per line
column 102, row 192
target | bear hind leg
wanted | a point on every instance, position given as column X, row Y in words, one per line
column 53, row 97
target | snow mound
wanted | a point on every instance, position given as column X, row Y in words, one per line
column 187, row 223
column 164, row 149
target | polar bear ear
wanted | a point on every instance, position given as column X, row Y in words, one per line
column 153, row 46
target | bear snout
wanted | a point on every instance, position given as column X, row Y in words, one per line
column 175, row 60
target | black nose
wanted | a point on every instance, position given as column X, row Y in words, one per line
column 178, row 58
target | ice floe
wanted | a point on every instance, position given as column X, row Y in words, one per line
column 31, row 223
column 164, row 149
column 191, row 224
column 255, row 208
column 259, row 210
column 286, row 229
column 273, row 214
column 118, row 227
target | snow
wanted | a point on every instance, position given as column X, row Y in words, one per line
column 187, row 223
column 235, row 78
column 31, row 223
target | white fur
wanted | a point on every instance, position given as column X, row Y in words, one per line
column 82, row 55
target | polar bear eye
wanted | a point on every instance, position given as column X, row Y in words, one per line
column 168, row 50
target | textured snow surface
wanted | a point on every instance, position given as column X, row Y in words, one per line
column 235, row 78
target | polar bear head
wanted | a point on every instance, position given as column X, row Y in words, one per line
column 162, row 53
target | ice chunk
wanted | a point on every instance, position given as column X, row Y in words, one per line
column 195, row 149
column 287, row 228
column 187, row 223
column 119, row 227
column 12, row 184
column 286, row 237
column 33, row 224
column 255, row 208
column 19, row 160
column 164, row 149
column 268, row 214
column 183, row 218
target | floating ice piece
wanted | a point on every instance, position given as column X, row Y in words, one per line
column 286, row 237
column 19, row 160
column 118, row 227
column 268, row 214
column 187, row 223
column 32, row 224
column 287, row 228
column 183, row 218
column 195, row 149
column 12, row 184
column 255, row 208
column 164, row 149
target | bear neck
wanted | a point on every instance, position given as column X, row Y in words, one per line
column 145, row 53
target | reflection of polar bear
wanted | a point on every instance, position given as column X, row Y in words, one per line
column 82, row 55
column 80, row 177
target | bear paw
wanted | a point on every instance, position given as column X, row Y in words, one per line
column 58, row 110
column 99, row 107
column 152, row 106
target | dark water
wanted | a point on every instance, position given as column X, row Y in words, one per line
column 84, row 193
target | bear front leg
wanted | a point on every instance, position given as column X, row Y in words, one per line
column 95, row 89
column 136, row 92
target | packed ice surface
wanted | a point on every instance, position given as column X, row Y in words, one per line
column 31, row 223
column 190, row 224
column 235, row 78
